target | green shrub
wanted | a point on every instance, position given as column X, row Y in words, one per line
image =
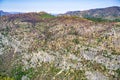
column 97, row 19
column 76, row 41
column 118, row 72
column 6, row 78
column 18, row 73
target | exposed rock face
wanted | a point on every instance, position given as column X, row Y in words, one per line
column 95, row 76
column 60, row 48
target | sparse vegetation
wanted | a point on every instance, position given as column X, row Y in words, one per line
column 118, row 72
column 47, row 16
column 40, row 46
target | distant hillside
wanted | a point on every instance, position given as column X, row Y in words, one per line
column 3, row 13
column 105, row 13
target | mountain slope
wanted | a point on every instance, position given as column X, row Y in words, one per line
column 39, row 46
column 106, row 13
